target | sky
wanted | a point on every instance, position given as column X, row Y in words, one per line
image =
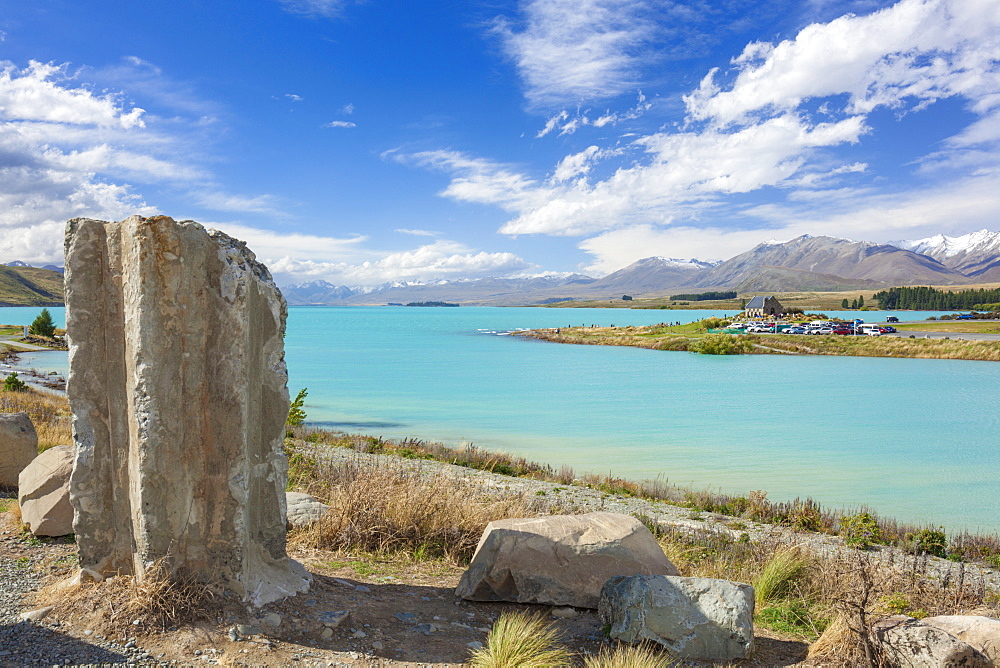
column 369, row 141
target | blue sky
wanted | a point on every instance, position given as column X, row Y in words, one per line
column 365, row 141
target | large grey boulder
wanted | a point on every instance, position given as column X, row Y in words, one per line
column 982, row 633
column 178, row 390
column 912, row 643
column 43, row 492
column 303, row 510
column 559, row 560
column 18, row 446
column 694, row 618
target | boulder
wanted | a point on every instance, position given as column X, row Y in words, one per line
column 694, row 618
column 983, row 633
column 43, row 492
column 559, row 560
column 178, row 389
column 911, row 643
column 18, row 446
column 303, row 510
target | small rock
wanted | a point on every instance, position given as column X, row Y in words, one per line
column 333, row 618
column 234, row 635
column 563, row 613
column 36, row 615
column 475, row 644
column 406, row 617
column 327, row 633
column 426, row 629
column 248, row 630
column 377, row 646
column 272, row 619
column 88, row 632
column 362, row 589
column 197, row 652
column 359, row 634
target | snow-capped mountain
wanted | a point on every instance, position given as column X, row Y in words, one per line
column 976, row 254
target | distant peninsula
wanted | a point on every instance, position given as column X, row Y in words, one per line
column 431, row 304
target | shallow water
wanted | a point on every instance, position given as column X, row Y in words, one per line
column 914, row 439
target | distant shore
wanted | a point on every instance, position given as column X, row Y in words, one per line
column 697, row 338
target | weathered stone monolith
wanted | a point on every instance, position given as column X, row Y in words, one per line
column 178, row 390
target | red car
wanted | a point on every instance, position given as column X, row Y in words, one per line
column 843, row 330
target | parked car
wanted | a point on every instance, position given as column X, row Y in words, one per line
column 965, row 316
column 843, row 331
column 796, row 330
column 892, row 318
column 824, row 330
column 888, row 329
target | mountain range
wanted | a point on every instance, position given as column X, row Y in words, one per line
column 24, row 285
column 806, row 263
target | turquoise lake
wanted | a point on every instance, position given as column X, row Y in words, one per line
column 912, row 439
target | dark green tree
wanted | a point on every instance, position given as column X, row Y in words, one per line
column 14, row 384
column 861, row 301
column 43, row 325
column 844, row 304
column 296, row 414
column 854, row 304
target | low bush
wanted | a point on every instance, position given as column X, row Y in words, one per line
column 860, row 531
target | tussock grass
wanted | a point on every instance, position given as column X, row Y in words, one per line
column 49, row 413
column 779, row 576
column 521, row 641
column 631, row 656
column 391, row 509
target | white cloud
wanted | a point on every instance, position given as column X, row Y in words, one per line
column 293, row 97
column 221, row 201
column 347, row 109
column 920, row 50
column 476, row 179
column 571, row 51
column 441, row 259
column 34, row 94
column 340, row 124
column 315, row 8
column 417, row 233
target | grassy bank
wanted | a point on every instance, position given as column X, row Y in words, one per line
column 863, row 529
column 694, row 337
column 388, row 510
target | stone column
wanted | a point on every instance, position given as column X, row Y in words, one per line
column 178, row 389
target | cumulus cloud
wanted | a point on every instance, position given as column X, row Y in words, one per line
column 340, row 124
column 572, row 51
column 439, row 260
column 781, row 119
column 67, row 151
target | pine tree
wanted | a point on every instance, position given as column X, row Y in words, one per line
column 14, row 384
column 296, row 414
column 43, row 325
column 843, row 304
column 854, row 304
column 861, row 301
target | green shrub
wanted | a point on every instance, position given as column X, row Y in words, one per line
column 721, row 344
column 860, row 531
column 14, row 384
column 931, row 541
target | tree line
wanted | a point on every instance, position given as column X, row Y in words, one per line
column 705, row 296
column 929, row 299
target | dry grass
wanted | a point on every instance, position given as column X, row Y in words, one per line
column 392, row 509
column 521, row 641
column 806, row 596
column 158, row 600
column 49, row 413
column 631, row 656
